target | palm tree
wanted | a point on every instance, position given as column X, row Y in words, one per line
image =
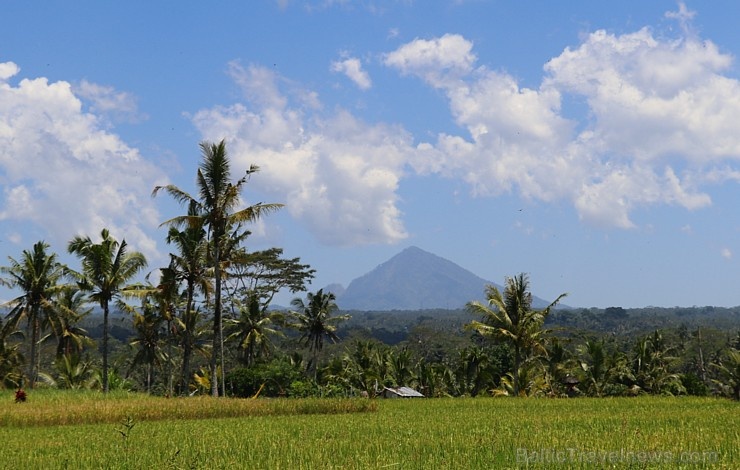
column 510, row 318
column 11, row 358
column 189, row 265
column 217, row 209
column 364, row 367
column 473, row 371
column 651, row 366
column 728, row 370
column 594, row 365
column 316, row 320
column 148, row 342
column 107, row 270
column 72, row 373
column 69, row 310
column 252, row 330
column 37, row 274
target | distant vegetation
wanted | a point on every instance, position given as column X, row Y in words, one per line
column 203, row 325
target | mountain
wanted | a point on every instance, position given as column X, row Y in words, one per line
column 415, row 279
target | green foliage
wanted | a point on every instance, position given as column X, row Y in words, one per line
column 37, row 274
column 72, row 373
column 217, row 209
column 270, row 379
column 108, row 269
column 509, row 317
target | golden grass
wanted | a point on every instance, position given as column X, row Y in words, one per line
column 52, row 408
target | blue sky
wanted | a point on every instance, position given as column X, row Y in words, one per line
column 591, row 144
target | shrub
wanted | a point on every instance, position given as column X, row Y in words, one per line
column 271, row 379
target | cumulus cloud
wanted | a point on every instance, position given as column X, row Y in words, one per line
column 660, row 127
column 63, row 173
column 352, row 68
column 107, row 100
column 336, row 174
column 661, row 122
column 438, row 60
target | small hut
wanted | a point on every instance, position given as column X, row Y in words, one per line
column 400, row 392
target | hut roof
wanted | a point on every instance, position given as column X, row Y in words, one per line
column 405, row 392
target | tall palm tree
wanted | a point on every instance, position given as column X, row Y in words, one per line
column 217, row 208
column 107, row 271
column 509, row 317
column 316, row 320
column 37, row 274
column 189, row 266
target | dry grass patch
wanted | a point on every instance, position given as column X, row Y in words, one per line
column 53, row 408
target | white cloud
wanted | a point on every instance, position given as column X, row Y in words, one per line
column 8, row 70
column 107, row 100
column 661, row 122
column 437, row 60
column 661, row 125
column 726, row 253
column 337, row 175
column 352, row 68
column 62, row 174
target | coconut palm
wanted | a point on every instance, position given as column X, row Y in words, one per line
column 364, row 367
column 473, row 372
column 189, row 266
column 252, row 330
column 37, row 275
column 147, row 341
column 72, row 373
column 69, row 310
column 509, row 317
column 651, row 366
column 217, row 209
column 107, row 271
column 317, row 320
column 11, row 359
column 728, row 371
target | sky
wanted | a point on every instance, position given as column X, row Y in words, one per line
column 594, row 145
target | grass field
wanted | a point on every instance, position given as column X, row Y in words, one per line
column 86, row 430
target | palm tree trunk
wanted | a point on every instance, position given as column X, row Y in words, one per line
column 217, row 332
column 105, row 347
column 33, row 363
column 187, row 351
column 517, row 365
column 187, row 342
column 170, row 340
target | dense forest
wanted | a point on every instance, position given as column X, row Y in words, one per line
column 204, row 325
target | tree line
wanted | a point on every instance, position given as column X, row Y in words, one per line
column 203, row 324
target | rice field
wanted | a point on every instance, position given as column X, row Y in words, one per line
column 84, row 430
